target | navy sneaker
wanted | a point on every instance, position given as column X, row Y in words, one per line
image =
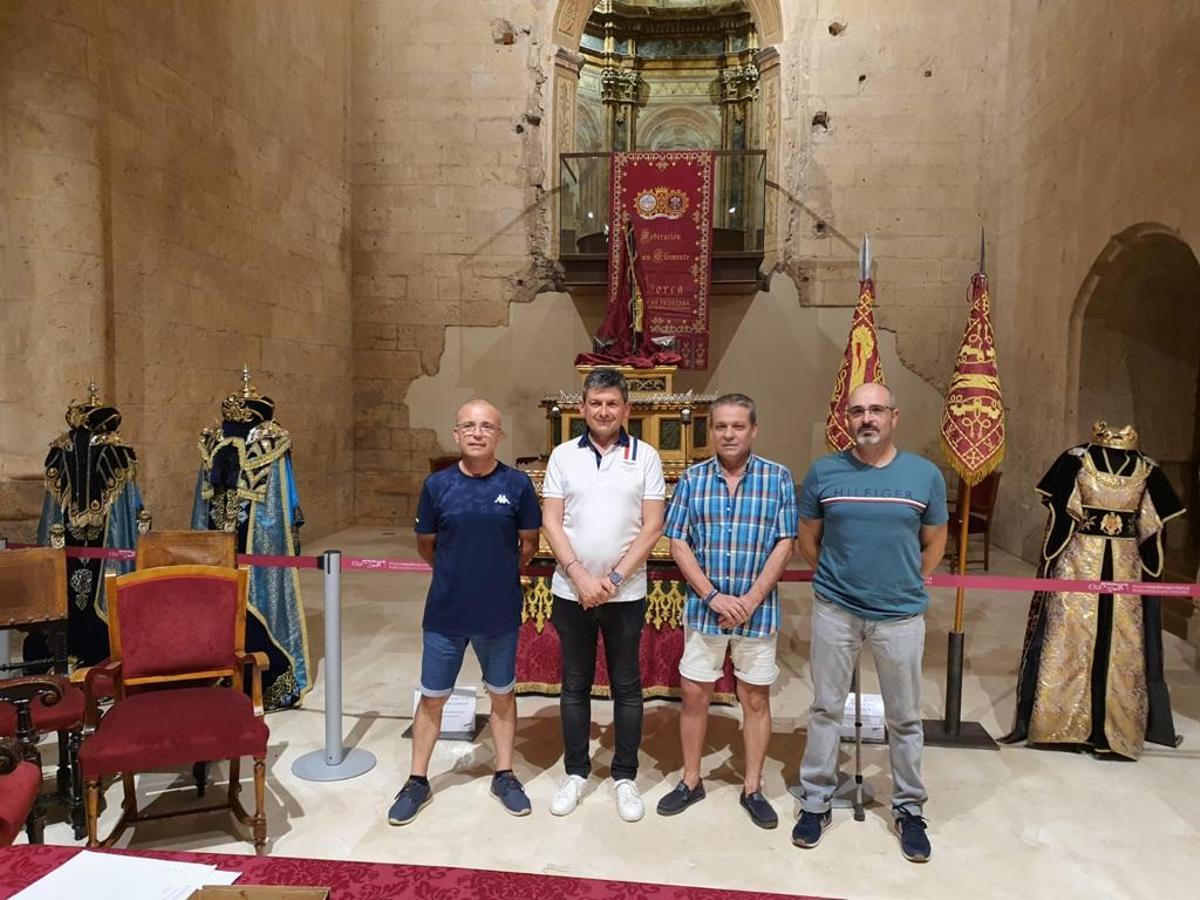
column 914, row 843
column 761, row 812
column 680, row 798
column 409, row 801
column 509, row 791
column 810, row 827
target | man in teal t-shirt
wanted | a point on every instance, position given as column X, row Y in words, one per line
column 872, row 525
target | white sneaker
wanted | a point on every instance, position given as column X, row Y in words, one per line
column 629, row 802
column 567, row 797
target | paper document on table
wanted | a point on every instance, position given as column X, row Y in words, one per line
column 108, row 876
column 872, row 719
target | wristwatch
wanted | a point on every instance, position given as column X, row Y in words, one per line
column 616, row 578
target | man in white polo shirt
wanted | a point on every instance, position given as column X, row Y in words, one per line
column 602, row 512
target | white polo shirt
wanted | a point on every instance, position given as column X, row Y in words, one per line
column 602, row 498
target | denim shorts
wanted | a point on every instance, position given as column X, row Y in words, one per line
column 442, row 658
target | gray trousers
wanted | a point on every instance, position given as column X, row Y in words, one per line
column 897, row 645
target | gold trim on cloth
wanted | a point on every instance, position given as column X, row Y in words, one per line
column 1062, row 708
column 537, row 602
column 665, row 603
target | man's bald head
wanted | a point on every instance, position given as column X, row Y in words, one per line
column 477, row 410
column 872, row 394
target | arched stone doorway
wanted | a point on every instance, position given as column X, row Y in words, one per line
column 1136, row 340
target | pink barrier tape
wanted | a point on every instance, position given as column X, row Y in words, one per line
column 279, row 562
column 245, row 559
column 937, row 580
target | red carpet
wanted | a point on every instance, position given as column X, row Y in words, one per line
column 20, row 866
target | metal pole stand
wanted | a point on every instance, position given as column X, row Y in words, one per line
column 952, row 731
column 854, row 793
column 335, row 762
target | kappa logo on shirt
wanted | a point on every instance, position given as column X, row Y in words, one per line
column 502, row 498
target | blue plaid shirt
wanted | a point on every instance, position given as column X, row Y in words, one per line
column 732, row 537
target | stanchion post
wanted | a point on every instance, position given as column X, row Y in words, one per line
column 335, row 762
column 951, row 731
column 332, row 566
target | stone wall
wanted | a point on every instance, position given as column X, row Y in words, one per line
column 1099, row 137
column 454, row 140
column 180, row 198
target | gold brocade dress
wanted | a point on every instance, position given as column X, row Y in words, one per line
column 1091, row 667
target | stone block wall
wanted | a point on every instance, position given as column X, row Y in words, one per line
column 1099, row 136
column 196, row 163
column 453, row 179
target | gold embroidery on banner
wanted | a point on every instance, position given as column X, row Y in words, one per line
column 537, row 602
column 665, row 601
column 664, row 604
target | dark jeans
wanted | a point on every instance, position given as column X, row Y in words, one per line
column 621, row 625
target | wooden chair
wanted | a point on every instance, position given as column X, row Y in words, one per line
column 172, row 626
column 186, row 548
column 33, row 590
column 983, row 505
column 437, row 463
column 20, row 782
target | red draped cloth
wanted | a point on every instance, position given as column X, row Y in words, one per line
column 659, row 250
column 539, row 661
column 22, row 865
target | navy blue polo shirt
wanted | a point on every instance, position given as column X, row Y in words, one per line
column 476, row 589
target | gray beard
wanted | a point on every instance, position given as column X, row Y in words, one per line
column 866, row 440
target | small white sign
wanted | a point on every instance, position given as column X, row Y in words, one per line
column 458, row 715
column 873, row 728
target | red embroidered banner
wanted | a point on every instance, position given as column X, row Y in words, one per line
column 659, row 260
column 860, row 365
column 973, row 419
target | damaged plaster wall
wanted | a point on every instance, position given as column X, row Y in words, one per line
column 452, row 216
column 790, row 386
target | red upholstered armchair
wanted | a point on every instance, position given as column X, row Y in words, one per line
column 20, row 782
column 170, row 628
column 33, row 590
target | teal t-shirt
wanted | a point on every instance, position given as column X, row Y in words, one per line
column 870, row 559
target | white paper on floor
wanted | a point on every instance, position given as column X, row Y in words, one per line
column 108, row 876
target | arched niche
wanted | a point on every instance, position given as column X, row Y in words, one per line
column 570, row 18
column 1135, row 358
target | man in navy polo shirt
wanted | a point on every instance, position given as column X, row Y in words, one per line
column 477, row 524
column 872, row 525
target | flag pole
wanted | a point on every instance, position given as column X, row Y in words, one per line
column 950, row 731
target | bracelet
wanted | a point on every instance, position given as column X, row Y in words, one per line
column 567, row 567
column 708, row 598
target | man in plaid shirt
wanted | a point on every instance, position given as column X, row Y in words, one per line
column 732, row 525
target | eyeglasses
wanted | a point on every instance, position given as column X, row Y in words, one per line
column 857, row 412
column 486, row 427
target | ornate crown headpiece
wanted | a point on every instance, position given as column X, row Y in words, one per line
column 77, row 411
column 1118, row 439
column 248, row 405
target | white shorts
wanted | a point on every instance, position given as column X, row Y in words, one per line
column 704, row 657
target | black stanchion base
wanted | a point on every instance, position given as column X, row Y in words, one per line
column 971, row 735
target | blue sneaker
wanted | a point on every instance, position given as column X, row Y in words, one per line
column 409, row 801
column 809, row 828
column 914, row 843
column 508, row 790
